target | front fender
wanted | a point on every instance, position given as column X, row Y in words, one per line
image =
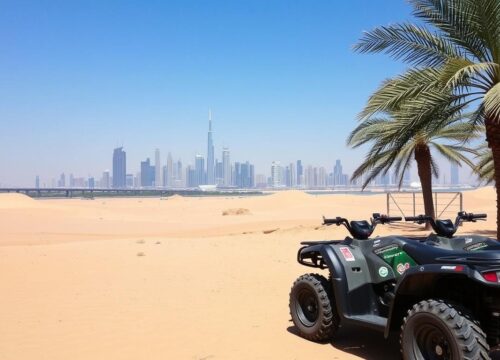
column 322, row 256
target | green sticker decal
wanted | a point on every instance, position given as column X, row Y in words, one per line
column 397, row 258
column 383, row 271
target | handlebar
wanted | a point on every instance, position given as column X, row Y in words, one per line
column 446, row 227
column 470, row 216
column 353, row 226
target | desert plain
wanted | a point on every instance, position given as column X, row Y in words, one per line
column 176, row 278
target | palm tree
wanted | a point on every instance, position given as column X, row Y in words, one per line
column 459, row 45
column 484, row 167
column 447, row 137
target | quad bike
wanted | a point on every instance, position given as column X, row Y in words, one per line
column 441, row 291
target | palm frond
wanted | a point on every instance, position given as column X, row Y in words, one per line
column 411, row 43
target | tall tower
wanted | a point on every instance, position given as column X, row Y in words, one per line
column 199, row 169
column 119, row 168
column 169, row 181
column 210, row 152
column 158, row 182
column 226, row 167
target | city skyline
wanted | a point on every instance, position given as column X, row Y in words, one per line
column 225, row 174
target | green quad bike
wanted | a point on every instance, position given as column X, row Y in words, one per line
column 441, row 291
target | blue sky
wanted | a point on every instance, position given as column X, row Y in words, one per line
column 78, row 78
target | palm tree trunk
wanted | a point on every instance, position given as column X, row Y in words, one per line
column 493, row 139
column 423, row 158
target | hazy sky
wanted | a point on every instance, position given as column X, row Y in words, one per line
column 78, row 78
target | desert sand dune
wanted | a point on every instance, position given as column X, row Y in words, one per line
column 153, row 279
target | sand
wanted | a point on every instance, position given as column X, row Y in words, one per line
column 173, row 279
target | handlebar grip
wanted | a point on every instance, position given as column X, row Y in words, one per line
column 394, row 218
column 336, row 221
column 412, row 218
column 479, row 216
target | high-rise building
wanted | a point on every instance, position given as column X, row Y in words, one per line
column 170, row 178
column 199, row 168
column 158, row 182
column 190, row 177
column 147, row 173
column 454, row 177
column 119, row 168
column 322, row 177
column 237, row 180
column 105, row 181
column 293, row 175
column 276, row 174
column 337, row 173
column 210, row 153
column 219, row 173
column 300, row 172
column 164, row 175
column 37, row 182
column 226, row 167
column 179, row 177
column 91, row 182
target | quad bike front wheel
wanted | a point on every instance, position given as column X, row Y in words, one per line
column 435, row 329
column 312, row 309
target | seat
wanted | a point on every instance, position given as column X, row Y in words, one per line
column 445, row 228
column 361, row 229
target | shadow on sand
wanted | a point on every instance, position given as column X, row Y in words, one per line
column 365, row 343
column 369, row 344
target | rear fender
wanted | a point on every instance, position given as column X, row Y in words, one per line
column 421, row 282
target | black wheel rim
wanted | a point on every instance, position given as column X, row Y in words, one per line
column 432, row 343
column 307, row 307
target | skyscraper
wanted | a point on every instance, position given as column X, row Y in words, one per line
column 300, row 172
column 179, row 178
column 37, row 182
column 147, row 173
column 169, row 181
column 293, row 175
column 337, row 173
column 210, row 153
column 226, row 167
column 105, row 181
column 454, row 179
column 219, row 173
column 158, row 182
column 119, row 168
column 276, row 174
column 199, row 170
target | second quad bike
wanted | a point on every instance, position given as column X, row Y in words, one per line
column 442, row 292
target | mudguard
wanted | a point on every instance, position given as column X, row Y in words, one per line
column 322, row 256
column 419, row 282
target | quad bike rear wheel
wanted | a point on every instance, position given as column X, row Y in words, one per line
column 312, row 308
column 435, row 329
